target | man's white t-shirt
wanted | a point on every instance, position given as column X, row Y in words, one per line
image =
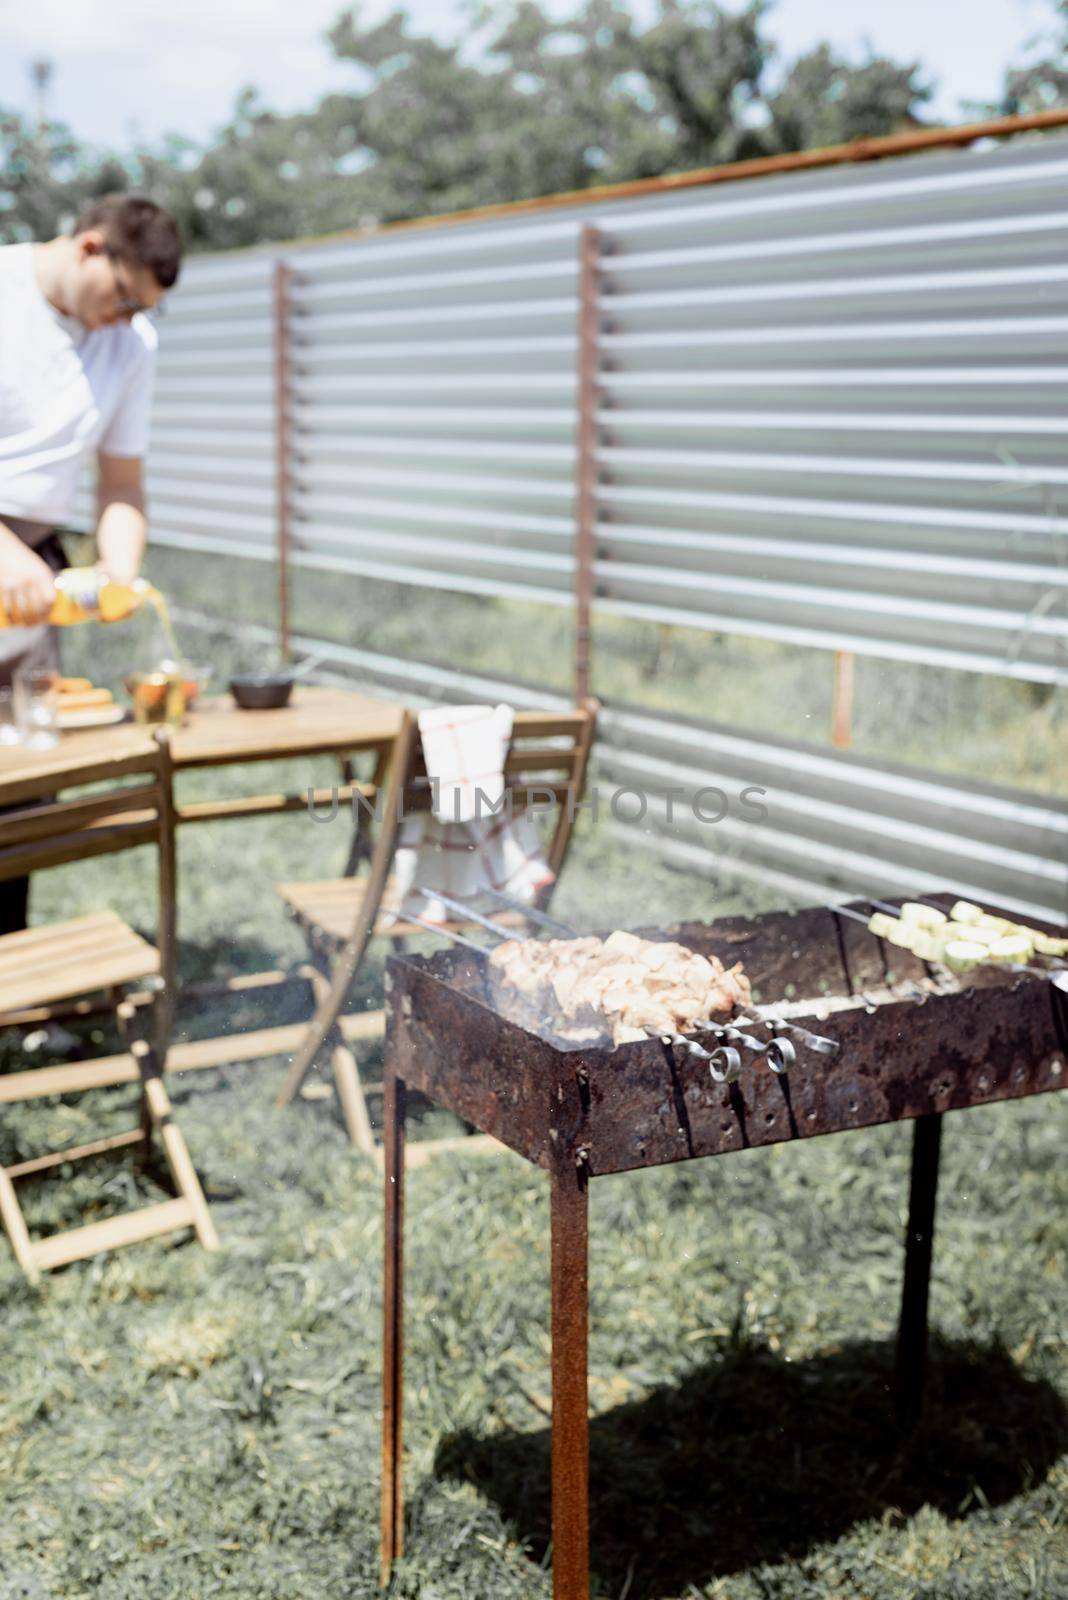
column 65, row 392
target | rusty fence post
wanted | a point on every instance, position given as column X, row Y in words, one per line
column 586, row 452
column 282, row 445
column 842, row 714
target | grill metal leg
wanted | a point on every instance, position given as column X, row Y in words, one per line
column 919, row 1240
column 392, row 1541
column 570, row 1425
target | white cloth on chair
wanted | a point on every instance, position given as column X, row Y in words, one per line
column 464, row 749
column 472, row 842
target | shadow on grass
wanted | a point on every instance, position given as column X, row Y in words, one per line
column 208, row 960
column 754, row 1458
column 214, row 961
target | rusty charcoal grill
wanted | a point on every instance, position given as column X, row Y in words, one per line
column 906, row 1050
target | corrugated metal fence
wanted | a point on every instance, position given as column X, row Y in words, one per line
column 831, row 411
column 832, row 407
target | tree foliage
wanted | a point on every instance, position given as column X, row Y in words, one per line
column 1041, row 82
column 46, row 177
column 523, row 104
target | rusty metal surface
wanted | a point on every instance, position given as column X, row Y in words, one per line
column 813, row 952
column 643, row 1105
column 583, row 1112
column 569, row 1209
column 391, row 1545
column 911, row 1354
column 450, row 1045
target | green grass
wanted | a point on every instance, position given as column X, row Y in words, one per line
column 176, row 1426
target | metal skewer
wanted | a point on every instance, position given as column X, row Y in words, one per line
column 468, row 913
column 541, row 918
column 442, row 932
column 779, row 1053
column 847, row 911
column 884, row 905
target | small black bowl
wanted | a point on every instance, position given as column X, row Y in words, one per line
column 262, row 691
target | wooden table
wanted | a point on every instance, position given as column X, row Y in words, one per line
column 317, row 722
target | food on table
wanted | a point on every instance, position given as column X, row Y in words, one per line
column 641, row 987
column 80, row 694
column 80, row 704
column 82, row 699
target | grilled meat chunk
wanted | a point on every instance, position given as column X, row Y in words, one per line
column 637, row 986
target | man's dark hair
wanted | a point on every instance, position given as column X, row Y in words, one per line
column 138, row 231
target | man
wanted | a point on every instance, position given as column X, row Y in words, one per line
column 77, row 360
column 76, row 369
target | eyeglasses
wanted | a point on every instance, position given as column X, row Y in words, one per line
column 128, row 304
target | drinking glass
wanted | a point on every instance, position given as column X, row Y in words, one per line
column 9, row 723
column 157, row 696
column 37, row 707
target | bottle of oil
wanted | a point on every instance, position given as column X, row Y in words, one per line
column 85, row 594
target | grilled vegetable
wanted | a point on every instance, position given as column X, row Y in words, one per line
column 929, row 944
column 916, row 915
column 969, row 937
column 962, row 955
column 1016, row 947
column 1000, row 925
column 973, row 918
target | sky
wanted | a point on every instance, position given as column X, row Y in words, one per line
column 125, row 71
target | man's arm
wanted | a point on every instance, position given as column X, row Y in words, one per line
column 122, row 526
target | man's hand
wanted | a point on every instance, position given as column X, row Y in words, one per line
column 27, row 584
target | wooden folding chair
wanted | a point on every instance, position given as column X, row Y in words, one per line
column 340, row 916
column 44, row 972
